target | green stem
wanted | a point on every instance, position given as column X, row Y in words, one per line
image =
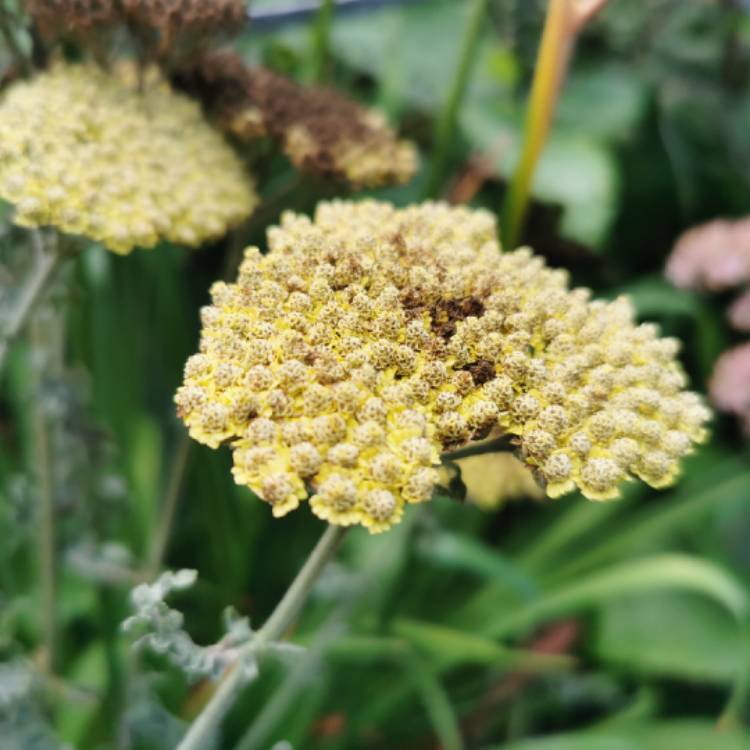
column 47, row 262
column 445, row 125
column 161, row 537
column 46, row 543
column 552, row 63
column 498, row 445
column 322, row 40
column 47, row 351
column 275, row 627
column 731, row 716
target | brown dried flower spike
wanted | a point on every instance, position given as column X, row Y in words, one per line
column 320, row 130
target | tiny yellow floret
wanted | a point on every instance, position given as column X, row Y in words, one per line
column 370, row 340
column 83, row 151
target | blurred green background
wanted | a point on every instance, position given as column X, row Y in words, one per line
column 556, row 625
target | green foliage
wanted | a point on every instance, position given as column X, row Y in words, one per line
column 562, row 625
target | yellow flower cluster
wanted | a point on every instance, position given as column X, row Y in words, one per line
column 83, row 151
column 371, row 339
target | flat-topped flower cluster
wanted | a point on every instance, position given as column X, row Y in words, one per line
column 319, row 129
column 88, row 152
column 371, row 339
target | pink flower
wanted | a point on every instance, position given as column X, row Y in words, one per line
column 739, row 312
column 712, row 256
column 730, row 384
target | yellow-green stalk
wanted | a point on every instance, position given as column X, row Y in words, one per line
column 565, row 19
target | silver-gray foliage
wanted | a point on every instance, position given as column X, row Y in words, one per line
column 165, row 633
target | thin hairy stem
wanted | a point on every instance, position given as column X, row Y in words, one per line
column 47, row 260
column 445, row 125
column 282, row 617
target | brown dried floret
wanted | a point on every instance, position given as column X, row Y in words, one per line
column 320, row 130
column 55, row 17
column 174, row 16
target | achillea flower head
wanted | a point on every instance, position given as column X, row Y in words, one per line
column 167, row 18
column 371, row 339
column 55, row 17
column 320, row 130
column 82, row 151
column 205, row 17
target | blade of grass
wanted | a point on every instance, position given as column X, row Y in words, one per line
column 648, row 574
column 445, row 125
column 448, row 647
column 654, row 524
column 436, row 702
column 575, row 522
column 453, row 551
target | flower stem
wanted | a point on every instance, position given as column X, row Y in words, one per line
column 47, row 262
column 551, row 64
column 160, row 539
column 497, row 445
column 282, row 617
column 322, row 40
column 445, row 125
column 47, row 333
column 46, row 542
column 565, row 20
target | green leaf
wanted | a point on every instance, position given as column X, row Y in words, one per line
column 670, row 634
column 76, row 713
column 654, row 296
column 575, row 741
column 145, row 471
column 570, row 524
column 606, row 103
column 436, row 702
column 693, row 734
column 726, row 485
column 686, row 734
column 654, row 573
column 389, row 45
column 463, row 553
column 448, row 647
column 577, row 173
